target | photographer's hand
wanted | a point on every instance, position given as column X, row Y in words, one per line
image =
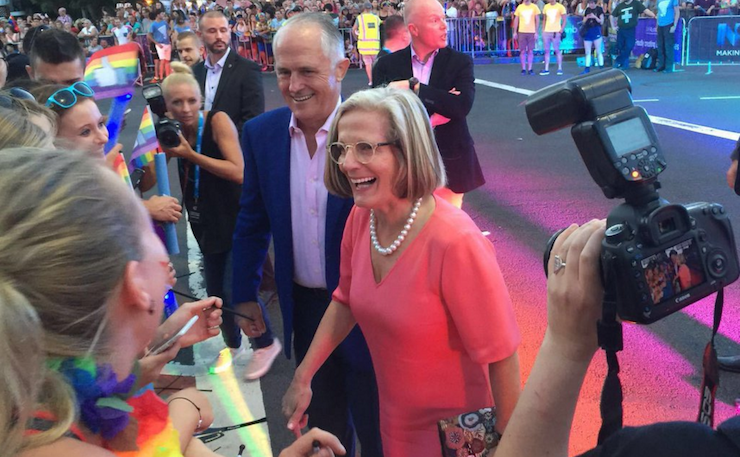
column 182, row 150
column 574, row 293
column 542, row 418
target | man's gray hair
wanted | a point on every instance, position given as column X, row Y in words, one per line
column 332, row 41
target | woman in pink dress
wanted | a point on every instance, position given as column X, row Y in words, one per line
column 417, row 276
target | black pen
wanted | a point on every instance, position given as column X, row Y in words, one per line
column 316, row 447
column 241, row 449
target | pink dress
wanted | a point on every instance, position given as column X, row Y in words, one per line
column 433, row 324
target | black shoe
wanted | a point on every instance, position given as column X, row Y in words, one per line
column 729, row 363
column 658, row 69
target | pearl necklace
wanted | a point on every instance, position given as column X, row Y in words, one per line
column 402, row 236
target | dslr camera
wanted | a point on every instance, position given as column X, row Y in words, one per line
column 656, row 257
column 167, row 129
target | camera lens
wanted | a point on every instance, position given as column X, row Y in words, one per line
column 169, row 138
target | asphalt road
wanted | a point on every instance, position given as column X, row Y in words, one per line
column 537, row 185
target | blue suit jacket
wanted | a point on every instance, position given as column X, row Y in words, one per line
column 265, row 210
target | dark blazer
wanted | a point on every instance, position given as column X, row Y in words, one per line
column 239, row 93
column 265, row 210
column 451, row 69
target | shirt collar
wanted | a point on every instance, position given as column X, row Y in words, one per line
column 415, row 56
column 220, row 63
column 324, row 128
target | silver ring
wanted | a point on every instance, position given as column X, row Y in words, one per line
column 559, row 264
column 213, row 328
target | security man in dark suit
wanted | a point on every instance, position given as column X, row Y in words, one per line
column 228, row 81
column 443, row 79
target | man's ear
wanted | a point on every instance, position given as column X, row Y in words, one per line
column 340, row 71
column 132, row 288
column 29, row 70
column 413, row 30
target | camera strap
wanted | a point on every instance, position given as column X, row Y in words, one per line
column 196, row 168
column 710, row 380
column 609, row 332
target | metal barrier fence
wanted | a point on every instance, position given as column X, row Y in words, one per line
column 713, row 40
column 492, row 37
column 706, row 40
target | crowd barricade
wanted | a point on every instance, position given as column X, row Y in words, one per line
column 350, row 47
column 492, row 36
column 713, row 40
column 646, row 38
column 147, row 59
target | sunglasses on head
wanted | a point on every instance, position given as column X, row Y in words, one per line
column 9, row 99
column 67, row 98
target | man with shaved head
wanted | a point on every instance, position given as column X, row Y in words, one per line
column 443, row 80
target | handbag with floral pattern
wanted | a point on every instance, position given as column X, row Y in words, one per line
column 469, row 435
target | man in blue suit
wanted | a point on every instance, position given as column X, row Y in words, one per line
column 284, row 197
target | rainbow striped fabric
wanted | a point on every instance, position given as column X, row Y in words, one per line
column 119, row 166
column 146, row 144
column 113, row 71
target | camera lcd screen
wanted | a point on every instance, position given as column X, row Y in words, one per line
column 628, row 136
column 673, row 271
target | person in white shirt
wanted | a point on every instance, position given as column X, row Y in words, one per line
column 121, row 33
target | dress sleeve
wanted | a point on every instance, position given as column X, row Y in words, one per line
column 341, row 293
column 478, row 301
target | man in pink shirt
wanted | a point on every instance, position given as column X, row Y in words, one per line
column 284, row 198
column 444, row 81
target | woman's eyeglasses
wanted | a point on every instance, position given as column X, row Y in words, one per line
column 364, row 151
column 67, row 98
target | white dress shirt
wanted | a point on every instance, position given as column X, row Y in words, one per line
column 308, row 198
column 213, row 76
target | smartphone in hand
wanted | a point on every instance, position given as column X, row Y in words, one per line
column 168, row 343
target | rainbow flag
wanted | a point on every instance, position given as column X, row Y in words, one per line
column 146, row 144
column 119, row 166
column 113, row 71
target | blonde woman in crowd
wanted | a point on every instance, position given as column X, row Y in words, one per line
column 101, row 266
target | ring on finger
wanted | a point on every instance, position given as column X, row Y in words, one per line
column 558, row 264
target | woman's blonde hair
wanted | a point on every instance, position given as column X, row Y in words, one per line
column 18, row 130
column 421, row 169
column 68, row 227
column 181, row 74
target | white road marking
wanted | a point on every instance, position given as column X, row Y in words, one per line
column 506, row 87
column 196, row 281
column 646, row 100
column 729, row 97
column 711, row 131
column 233, row 400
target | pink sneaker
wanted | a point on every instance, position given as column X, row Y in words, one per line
column 262, row 360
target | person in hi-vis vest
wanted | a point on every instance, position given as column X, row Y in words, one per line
column 367, row 31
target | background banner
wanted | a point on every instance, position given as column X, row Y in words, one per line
column 646, row 38
column 714, row 39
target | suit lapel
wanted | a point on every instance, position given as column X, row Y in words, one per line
column 279, row 160
column 439, row 68
column 200, row 75
column 226, row 72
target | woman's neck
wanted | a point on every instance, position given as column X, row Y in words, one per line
column 392, row 217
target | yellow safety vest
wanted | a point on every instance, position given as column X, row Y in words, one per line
column 368, row 34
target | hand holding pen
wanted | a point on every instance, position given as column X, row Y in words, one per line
column 315, row 443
